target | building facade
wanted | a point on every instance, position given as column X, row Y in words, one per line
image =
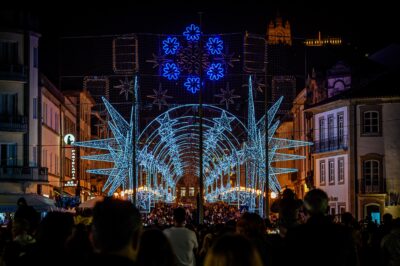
column 21, row 171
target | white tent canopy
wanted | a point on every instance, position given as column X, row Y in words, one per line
column 90, row 203
column 8, row 202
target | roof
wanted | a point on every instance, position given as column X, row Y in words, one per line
column 385, row 85
column 388, row 56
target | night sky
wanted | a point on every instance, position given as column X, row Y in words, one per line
column 368, row 26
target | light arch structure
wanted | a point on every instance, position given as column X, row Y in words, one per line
column 168, row 148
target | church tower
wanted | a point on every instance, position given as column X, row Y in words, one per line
column 279, row 32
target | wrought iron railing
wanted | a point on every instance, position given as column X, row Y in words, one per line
column 331, row 144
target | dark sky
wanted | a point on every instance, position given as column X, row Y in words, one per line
column 368, row 25
column 371, row 22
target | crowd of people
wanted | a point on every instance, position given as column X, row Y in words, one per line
column 215, row 213
column 115, row 233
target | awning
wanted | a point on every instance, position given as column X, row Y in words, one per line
column 90, row 203
column 8, row 202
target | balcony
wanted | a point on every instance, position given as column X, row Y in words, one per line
column 20, row 173
column 331, row 144
column 374, row 188
column 13, row 123
column 13, row 72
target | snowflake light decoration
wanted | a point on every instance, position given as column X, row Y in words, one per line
column 125, row 86
column 160, row 97
column 170, row 45
column 192, row 84
column 215, row 71
column 182, row 56
column 192, row 33
column 171, row 71
column 215, row 45
column 227, row 96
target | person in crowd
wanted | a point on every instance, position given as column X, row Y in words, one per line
column 183, row 241
column 24, row 211
column 78, row 246
column 115, row 232
column 52, row 234
column 233, row 250
column 390, row 246
column 155, row 249
column 310, row 242
column 288, row 207
column 20, row 244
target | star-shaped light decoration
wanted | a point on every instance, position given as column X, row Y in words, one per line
column 160, row 97
column 257, row 86
column 227, row 96
column 224, row 121
column 157, row 60
column 125, row 86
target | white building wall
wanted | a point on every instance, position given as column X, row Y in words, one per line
column 338, row 193
column 325, row 115
column 391, row 135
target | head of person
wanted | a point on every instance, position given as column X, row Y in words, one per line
column 179, row 215
column 387, row 219
column 55, row 229
column 316, row 202
column 232, row 250
column 250, row 225
column 154, row 241
column 116, row 226
column 22, row 202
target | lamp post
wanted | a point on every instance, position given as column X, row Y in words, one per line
column 266, row 185
column 200, row 209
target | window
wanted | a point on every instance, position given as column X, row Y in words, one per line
column 34, row 108
column 9, row 104
column 371, row 122
column 34, row 156
column 321, row 129
column 44, row 158
column 35, row 57
column 371, row 174
column 191, row 191
column 51, row 118
column 322, row 172
column 51, row 163
column 8, row 52
column 330, row 127
column 45, row 113
column 340, row 128
column 183, row 191
column 12, row 154
column 341, row 170
column 56, row 164
column 342, row 207
column 56, row 122
column 332, row 208
column 331, row 172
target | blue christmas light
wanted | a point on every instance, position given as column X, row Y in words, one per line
column 169, row 150
column 170, row 45
column 192, row 33
column 215, row 71
column 171, row 71
column 192, row 84
column 215, row 45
